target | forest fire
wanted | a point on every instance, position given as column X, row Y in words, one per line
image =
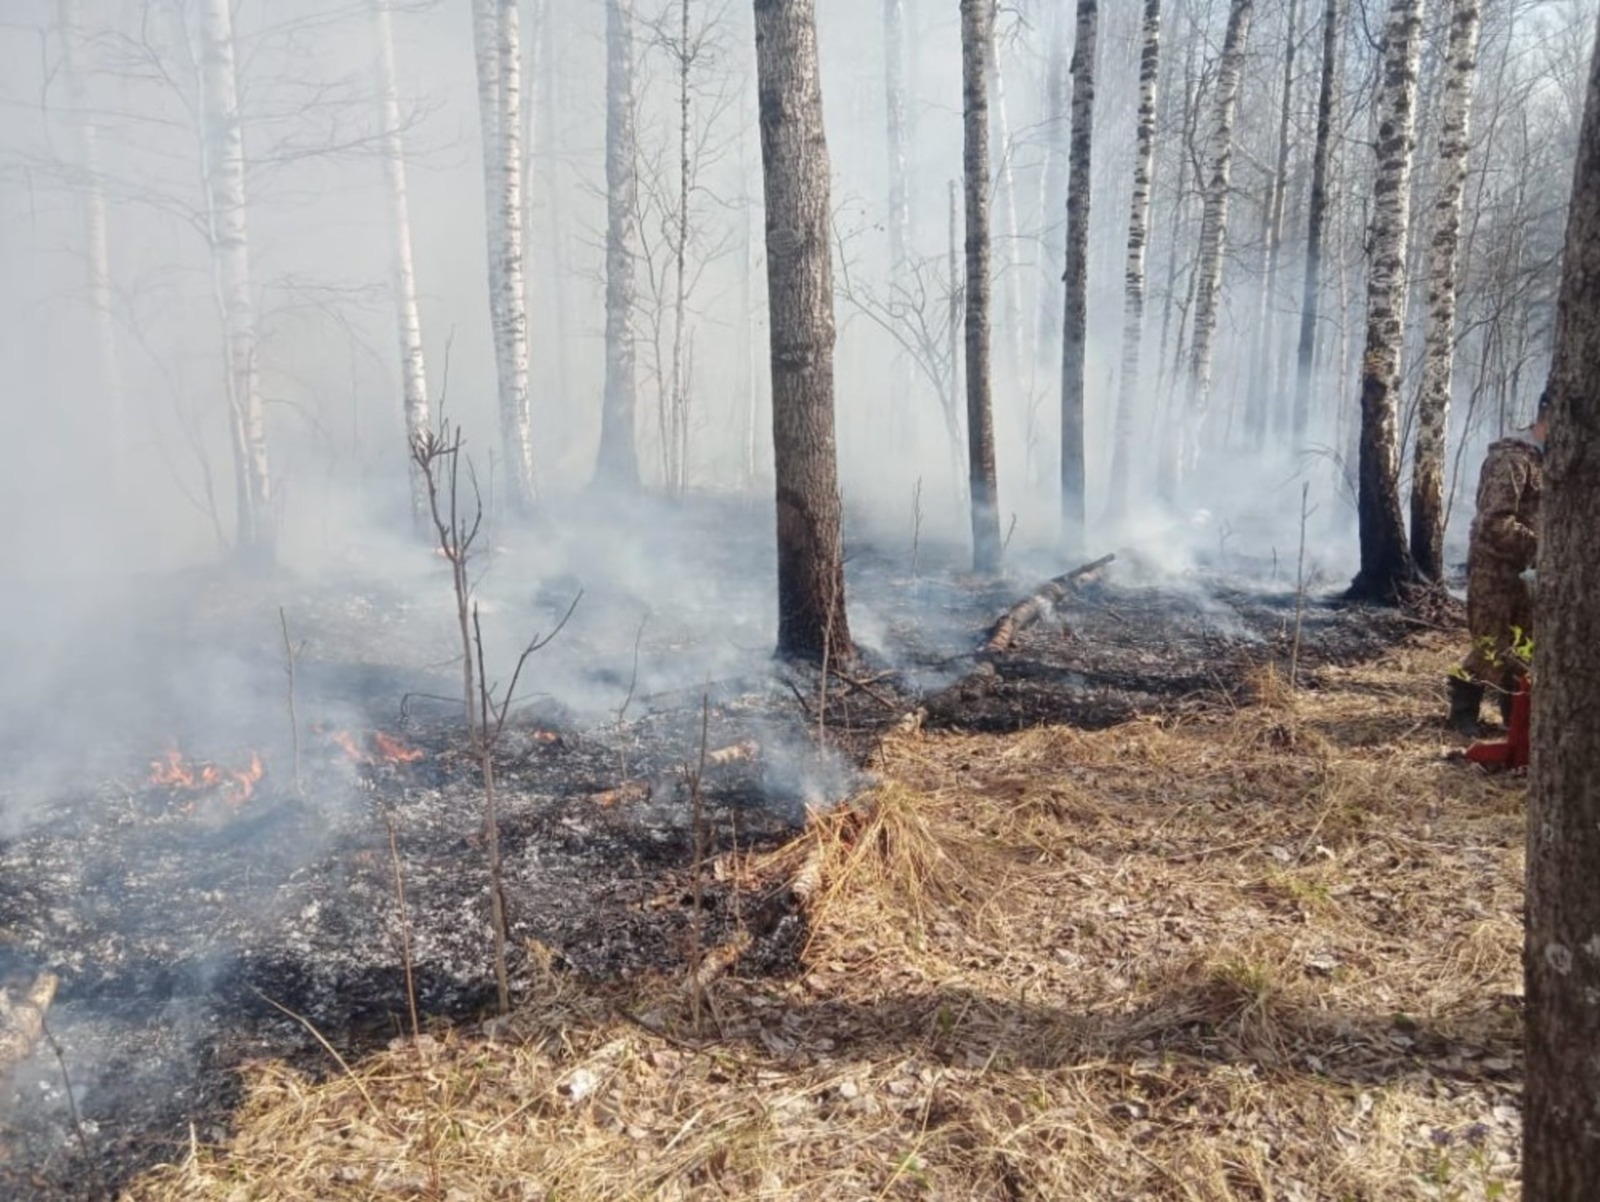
column 385, row 749
column 235, row 786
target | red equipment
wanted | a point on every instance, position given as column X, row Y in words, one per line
column 1511, row 751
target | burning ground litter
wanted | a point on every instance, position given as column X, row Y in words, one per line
column 195, row 930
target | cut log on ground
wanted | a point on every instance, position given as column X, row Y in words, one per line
column 22, row 1019
column 721, row 958
column 1033, row 607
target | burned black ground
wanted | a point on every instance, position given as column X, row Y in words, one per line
column 192, row 931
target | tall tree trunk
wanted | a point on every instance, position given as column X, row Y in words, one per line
column 894, row 82
column 1260, row 384
column 1128, row 398
column 1385, row 558
column 1214, row 227
column 497, row 42
column 1009, row 230
column 1316, row 216
column 97, row 246
column 977, row 17
column 1074, row 331
column 413, row 365
column 230, row 252
column 1053, row 184
column 795, row 171
column 1438, row 363
column 618, row 466
column 679, row 459
column 1169, row 443
column 1561, row 952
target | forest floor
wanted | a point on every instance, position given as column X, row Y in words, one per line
column 1264, row 948
column 1112, row 912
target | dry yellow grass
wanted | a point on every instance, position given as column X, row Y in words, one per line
column 1271, row 953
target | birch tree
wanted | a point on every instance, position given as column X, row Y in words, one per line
column 229, row 232
column 1385, row 559
column 1561, row 951
column 1074, row 334
column 1053, row 180
column 795, row 169
column 1259, row 385
column 894, row 86
column 1438, row 363
column 618, row 466
column 413, row 363
column 1214, row 225
column 977, row 17
column 97, row 243
column 1121, row 491
column 497, row 46
column 1316, row 217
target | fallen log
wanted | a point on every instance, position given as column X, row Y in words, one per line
column 719, row 959
column 643, row 790
column 736, row 753
column 22, row 1020
column 1033, row 607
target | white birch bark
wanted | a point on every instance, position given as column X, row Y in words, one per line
column 97, row 244
column 413, row 362
column 1214, row 226
column 1385, row 557
column 1074, row 339
column 1128, row 397
column 1009, row 230
column 618, row 466
column 1433, row 402
column 497, row 43
column 227, row 211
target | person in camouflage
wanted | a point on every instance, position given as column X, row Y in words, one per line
column 1500, row 556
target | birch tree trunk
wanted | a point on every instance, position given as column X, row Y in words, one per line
column 680, row 261
column 795, row 171
column 1316, row 216
column 413, row 364
column 977, row 18
column 1009, row 229
column 1128, row 398
column 1053, row 185
column 1214, row 227
column 894, row 77
column 497, row 43
column 1561, row 951
column 1438, row 363
column 618, row 466
column 229, row 230
column 97, row 244
column 1260, row 384
column 1074, row 333
column 1385, row 559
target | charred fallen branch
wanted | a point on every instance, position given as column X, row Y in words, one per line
column 665, row 783
column 22, row 1019
column 1033, row 607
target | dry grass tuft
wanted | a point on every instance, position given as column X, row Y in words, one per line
column 1268, row 953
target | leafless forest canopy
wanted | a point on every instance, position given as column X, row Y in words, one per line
column 119, row 338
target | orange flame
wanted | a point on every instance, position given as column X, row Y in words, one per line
column 172, row 771
column 393, row 749
column 387, row 748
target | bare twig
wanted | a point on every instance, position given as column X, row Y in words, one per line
column 697, row 818
column 1299, row 589
column 916, row 525
column 72, row 1097
column 290, row 654
column 437, row 454
column 405, row 928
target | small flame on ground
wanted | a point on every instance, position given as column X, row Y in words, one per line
column 173, row 771
column 386, row 748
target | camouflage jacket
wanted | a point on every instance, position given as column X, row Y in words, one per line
column 1505, row 529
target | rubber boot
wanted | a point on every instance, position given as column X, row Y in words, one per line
column 1466, row 699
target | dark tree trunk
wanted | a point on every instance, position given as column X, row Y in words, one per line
column 1561, row 957
column 1385, row 557
column 618, row 466
column 794, row 160
column 1074, row 331
column 977, row 17
column 1316, row 215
